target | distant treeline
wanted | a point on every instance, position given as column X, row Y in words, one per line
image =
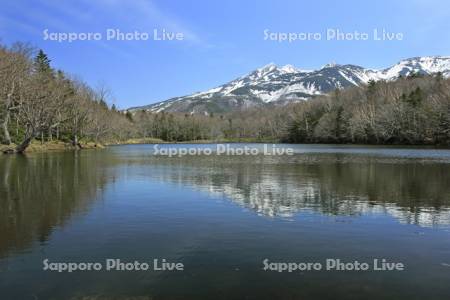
column 37, row 101
column 410, row 110
column 248, row 125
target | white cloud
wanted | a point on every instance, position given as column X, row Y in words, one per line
column 146, row 15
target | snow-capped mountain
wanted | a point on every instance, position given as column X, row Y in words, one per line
column 278, row 85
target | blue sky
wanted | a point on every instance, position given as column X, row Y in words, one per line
column 223, row 39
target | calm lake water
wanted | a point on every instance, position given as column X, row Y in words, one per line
column 221, row 217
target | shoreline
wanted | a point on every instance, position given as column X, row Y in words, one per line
column 53, row 146
column 56, row 146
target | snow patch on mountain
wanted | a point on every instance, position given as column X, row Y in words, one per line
column 274, row 84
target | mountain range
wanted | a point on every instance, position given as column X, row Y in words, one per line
column 274, row 85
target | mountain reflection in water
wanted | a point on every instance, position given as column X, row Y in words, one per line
column 42, row 191
column 411, row 190
column 221, row 216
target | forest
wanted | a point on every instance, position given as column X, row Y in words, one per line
column 41, row 104
column 412, row 110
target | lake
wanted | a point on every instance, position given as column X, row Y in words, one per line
column 232, row 222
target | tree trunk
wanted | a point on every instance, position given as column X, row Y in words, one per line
column 24, row 145
column 76, row 143
column 30, row 134
column 17, row 129
column 6, row 135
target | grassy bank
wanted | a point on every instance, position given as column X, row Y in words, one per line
column 230, row 141
column 205, row 141
column 37, row 146
column 136, row 141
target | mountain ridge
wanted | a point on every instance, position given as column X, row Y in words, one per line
column 272, row 84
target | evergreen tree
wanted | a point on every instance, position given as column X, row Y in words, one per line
column 42, row 63
column 415, row 97
column 129, row 116
column 371, row 89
